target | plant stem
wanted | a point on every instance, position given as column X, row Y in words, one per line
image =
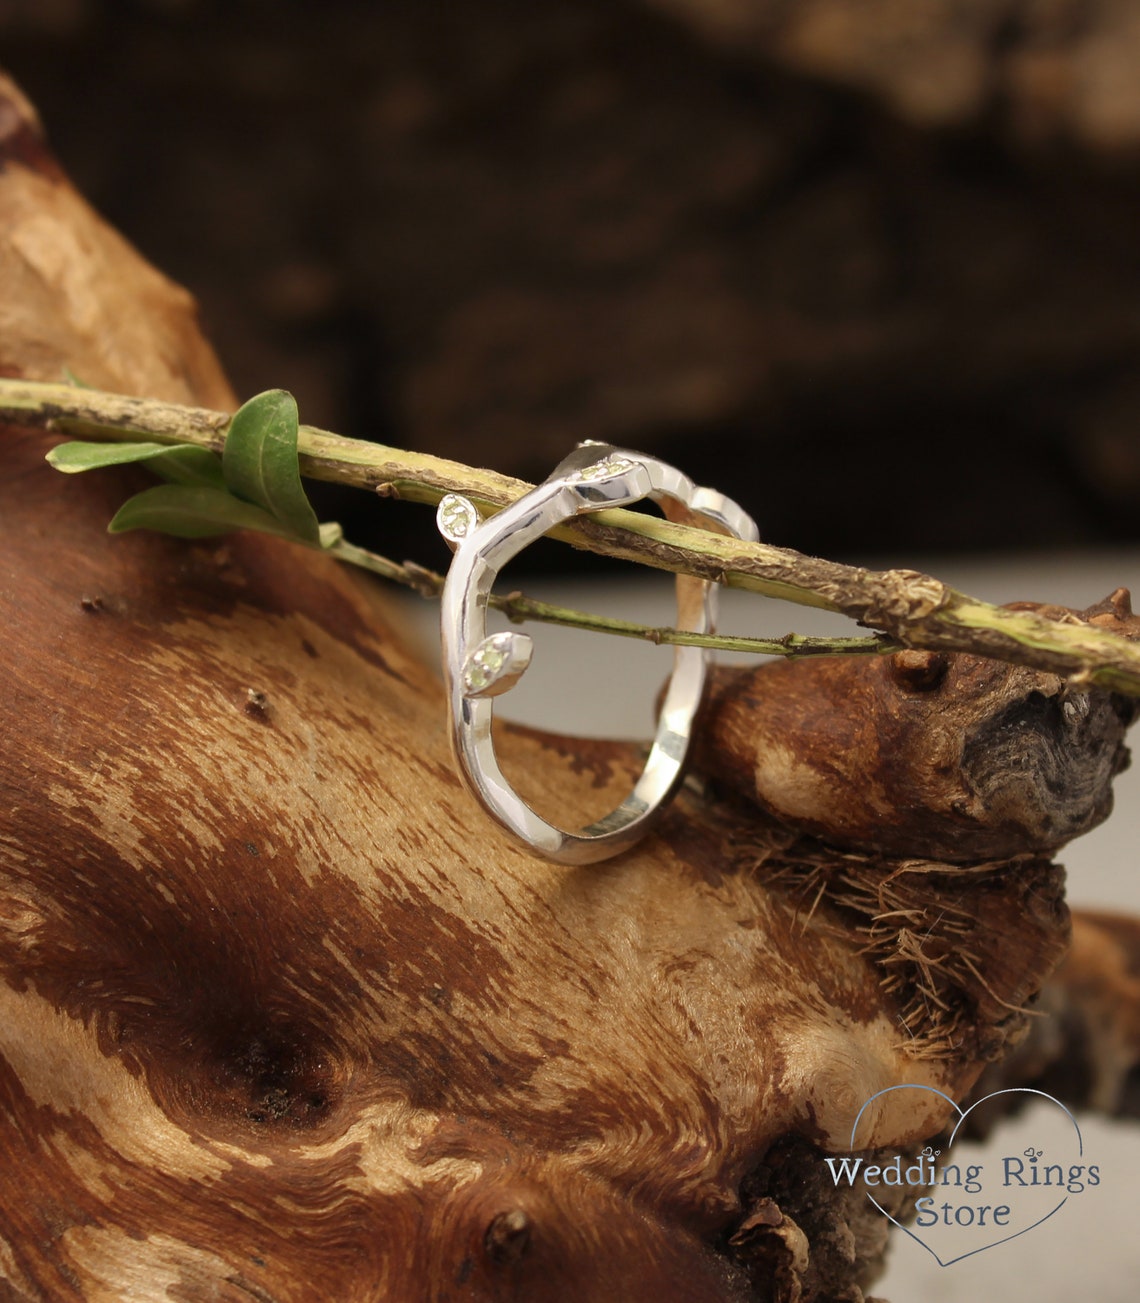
column 911, row 608
column 518, row 609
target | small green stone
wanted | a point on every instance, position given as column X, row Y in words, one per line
column 485, row 665
column 457, row 517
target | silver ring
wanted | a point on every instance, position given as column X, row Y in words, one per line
column 478, row 667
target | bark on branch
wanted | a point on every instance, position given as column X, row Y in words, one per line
column 915, row 609
column 282, row 1016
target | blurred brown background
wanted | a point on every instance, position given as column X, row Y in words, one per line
column 873, row 266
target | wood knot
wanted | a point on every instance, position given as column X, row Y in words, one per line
column 257, row 705
column 508, row 1237
column 1117, row 606
column 919, row 671
column 765, row 1214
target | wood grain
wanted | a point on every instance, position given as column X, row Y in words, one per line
column 281, row 1015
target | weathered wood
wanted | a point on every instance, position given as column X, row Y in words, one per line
column 283, row 1017
column 1086, row 1051
column 259, row 945
column 923, row 754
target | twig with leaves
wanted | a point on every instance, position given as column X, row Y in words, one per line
column 243, row 472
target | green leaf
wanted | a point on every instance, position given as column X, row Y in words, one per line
column 260, row 462
column 181, row 463
column 82, row 456
column 190, row 465
column 192, row 511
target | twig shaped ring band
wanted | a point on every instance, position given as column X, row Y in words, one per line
column 478, row 667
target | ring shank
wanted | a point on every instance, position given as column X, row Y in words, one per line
column 576, row 487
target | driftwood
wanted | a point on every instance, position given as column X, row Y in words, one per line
column 1086, row 1048
column 283, row 1017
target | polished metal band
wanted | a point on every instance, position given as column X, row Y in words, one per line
column 478, row 667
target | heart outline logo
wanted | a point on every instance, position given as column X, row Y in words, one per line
column 963, row 1114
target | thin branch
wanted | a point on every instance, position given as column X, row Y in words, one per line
column 911, row 608
column 519, row 608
